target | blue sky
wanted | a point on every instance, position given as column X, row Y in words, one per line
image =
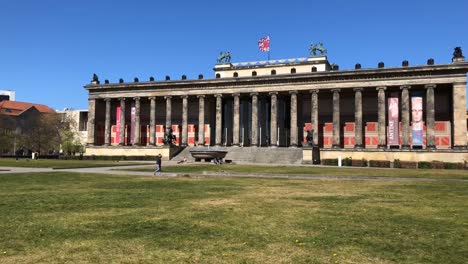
column 49, row 49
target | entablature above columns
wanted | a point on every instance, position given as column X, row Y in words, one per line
column 267, row 88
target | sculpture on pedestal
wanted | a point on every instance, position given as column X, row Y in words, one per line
column 224, row 57
column 314, row 48
column 169, row 138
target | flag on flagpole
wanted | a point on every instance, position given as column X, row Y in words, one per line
column 264, row 44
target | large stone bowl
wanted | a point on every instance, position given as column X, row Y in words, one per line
column 208, row 155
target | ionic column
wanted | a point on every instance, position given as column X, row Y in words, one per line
column 459, row 115
column 107, row 127
column 358, row 118
column 293, row 125
column 336, row 118
column 219, row 116
column 136, row 133
column 430, row 116
column 201, row 120
column 273, row 121
column 91, row 121
column 152, row 121
column 314, row 116
column 235, row 140
column 168, row 111
column 381, row 117
column 254, row 141
column 405, row 114
column 184, row 121
column 122, row 122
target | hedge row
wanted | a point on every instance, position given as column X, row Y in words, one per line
column 396, row 164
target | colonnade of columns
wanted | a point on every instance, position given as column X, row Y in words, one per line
column 294, row 142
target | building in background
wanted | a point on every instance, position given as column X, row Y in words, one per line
column 77, row 121
column 17, row 118
column 7, row 95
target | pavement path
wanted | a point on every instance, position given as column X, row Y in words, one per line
column 121, row 170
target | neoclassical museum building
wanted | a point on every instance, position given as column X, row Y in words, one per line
column 410, row 112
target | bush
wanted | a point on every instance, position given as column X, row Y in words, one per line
column 437, row 164
column 379, row 163
column 396, row 163
column 330, row 162
column 453, row 166
column 359, row 163
column 424, row 165
column 408, row 164
column 347, row 161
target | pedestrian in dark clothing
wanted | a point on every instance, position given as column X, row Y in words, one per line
column 158, row 164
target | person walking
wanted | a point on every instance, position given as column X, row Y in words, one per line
column 158, row 164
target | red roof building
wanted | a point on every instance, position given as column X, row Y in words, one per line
column 15, row 108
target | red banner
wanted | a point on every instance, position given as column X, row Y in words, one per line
column 393, row 128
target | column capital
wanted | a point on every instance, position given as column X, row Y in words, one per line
column 152, row 97
column 405, row 87
column 378, row 88
column 273, row 93
column 218, row 95
column 136, row 98
column 235, row 94
column 122, row 99
column 335, row 90
column 314, row 91
column 252, row 94
column 107, row 99
column 430, row 86
column 167, row 96
column 358, row 89
column 184, row 96
column 293, row 92
column 201, row 96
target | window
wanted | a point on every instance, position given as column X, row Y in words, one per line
column 235, row 74
column 254, row 73
column 293, row 70
column 273, row 72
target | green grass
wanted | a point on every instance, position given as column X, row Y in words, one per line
column 61, row 164
column 84, row 218
column 312, row 170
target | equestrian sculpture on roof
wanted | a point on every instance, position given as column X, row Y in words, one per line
column 224, row 57
column 314, row 48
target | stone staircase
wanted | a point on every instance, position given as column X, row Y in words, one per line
column 251, row 155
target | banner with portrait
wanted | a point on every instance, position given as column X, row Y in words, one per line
column 117, row 124
column 393, row 128
column 132, row 125
column 417, row 118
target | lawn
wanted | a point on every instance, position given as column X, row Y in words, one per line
column 84, row 218
column 313, row 170
column 61, row 164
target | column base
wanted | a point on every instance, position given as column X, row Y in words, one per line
column 107, row 144
column 431, row 147
column 90, row 144
column 273, row 146
column 405, row 146
column 184, row 145
column 459, row 147
column 336, row 146
column 382, row 146
column 358, row 146
column 236, row 145
column 293, row 146
column 121, row 144
column 136, row 144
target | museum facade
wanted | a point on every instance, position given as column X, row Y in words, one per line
column 408, row 112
